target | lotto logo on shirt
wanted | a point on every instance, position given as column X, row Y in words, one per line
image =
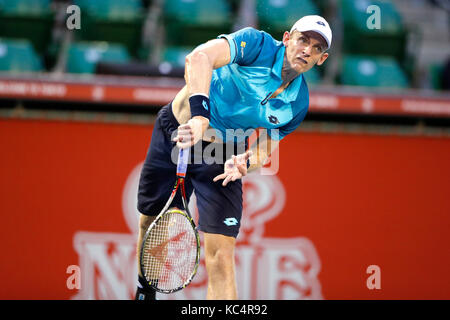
column 243, row 43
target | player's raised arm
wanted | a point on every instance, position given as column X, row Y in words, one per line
column 199, row 66
column 202, row 61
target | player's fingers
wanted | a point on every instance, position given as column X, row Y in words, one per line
column 184, row 144
column 242, row 169
column 182, row 135
column 185, row 133
column 180, row 139
column 220, row 177
column 226, row 180
column 236, row 176
column 180, row 145
column 185, row 126
column 248, row 154
column 185, row 137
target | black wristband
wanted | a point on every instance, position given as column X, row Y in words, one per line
column 199, row 106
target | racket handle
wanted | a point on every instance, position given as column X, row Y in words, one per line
column 183, row 157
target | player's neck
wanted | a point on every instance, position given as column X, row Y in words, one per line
column 287, row 72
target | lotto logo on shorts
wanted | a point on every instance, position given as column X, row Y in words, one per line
column 230, row 221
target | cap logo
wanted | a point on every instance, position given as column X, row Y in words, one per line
column 321, row 23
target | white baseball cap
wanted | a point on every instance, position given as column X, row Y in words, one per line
column 314, row 23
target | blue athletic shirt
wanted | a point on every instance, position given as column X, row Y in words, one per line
column 240, row 91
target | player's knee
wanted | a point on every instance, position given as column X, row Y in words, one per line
column 221, row 258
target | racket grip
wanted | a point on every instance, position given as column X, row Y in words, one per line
column 183, row 157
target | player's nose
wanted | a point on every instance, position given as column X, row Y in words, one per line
column 307, row 51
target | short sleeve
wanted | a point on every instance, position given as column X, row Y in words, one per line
column 245, row 45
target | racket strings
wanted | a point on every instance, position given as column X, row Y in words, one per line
column 170, row 252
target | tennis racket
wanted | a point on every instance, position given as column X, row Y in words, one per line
column 170, row 251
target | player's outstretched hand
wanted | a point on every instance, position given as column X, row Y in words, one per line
column 234, row 168
column 191, row 132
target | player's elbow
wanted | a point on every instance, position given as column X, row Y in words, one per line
column 197, row 58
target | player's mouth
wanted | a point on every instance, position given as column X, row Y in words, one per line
column 301, row 60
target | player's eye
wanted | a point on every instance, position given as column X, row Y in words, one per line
column 302, row 40
column 317, row 49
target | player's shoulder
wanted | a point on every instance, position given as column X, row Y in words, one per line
column 250, row 31
column 257, row 34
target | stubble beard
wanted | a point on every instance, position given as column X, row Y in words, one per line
column 287, row 72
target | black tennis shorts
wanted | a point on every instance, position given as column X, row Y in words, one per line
column 219, row 208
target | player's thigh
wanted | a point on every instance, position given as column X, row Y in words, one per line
column 219, row 207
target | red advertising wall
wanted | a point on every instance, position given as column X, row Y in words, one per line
column 340, row 203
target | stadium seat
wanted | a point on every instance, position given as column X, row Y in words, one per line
column 192, row 22
column 116, row 21
column 83, row 56
column 111, row 9
column 435, row 72
column 27, row 19
column 18, row 56
column 358, row 38
column 277, row 16
column 234, row 5
column 372, row 71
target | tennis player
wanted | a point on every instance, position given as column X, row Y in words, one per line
column 240, row 81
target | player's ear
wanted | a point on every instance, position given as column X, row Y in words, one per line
column 322, row 58
column 286, row 37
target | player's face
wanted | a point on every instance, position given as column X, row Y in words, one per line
column 304, row 50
